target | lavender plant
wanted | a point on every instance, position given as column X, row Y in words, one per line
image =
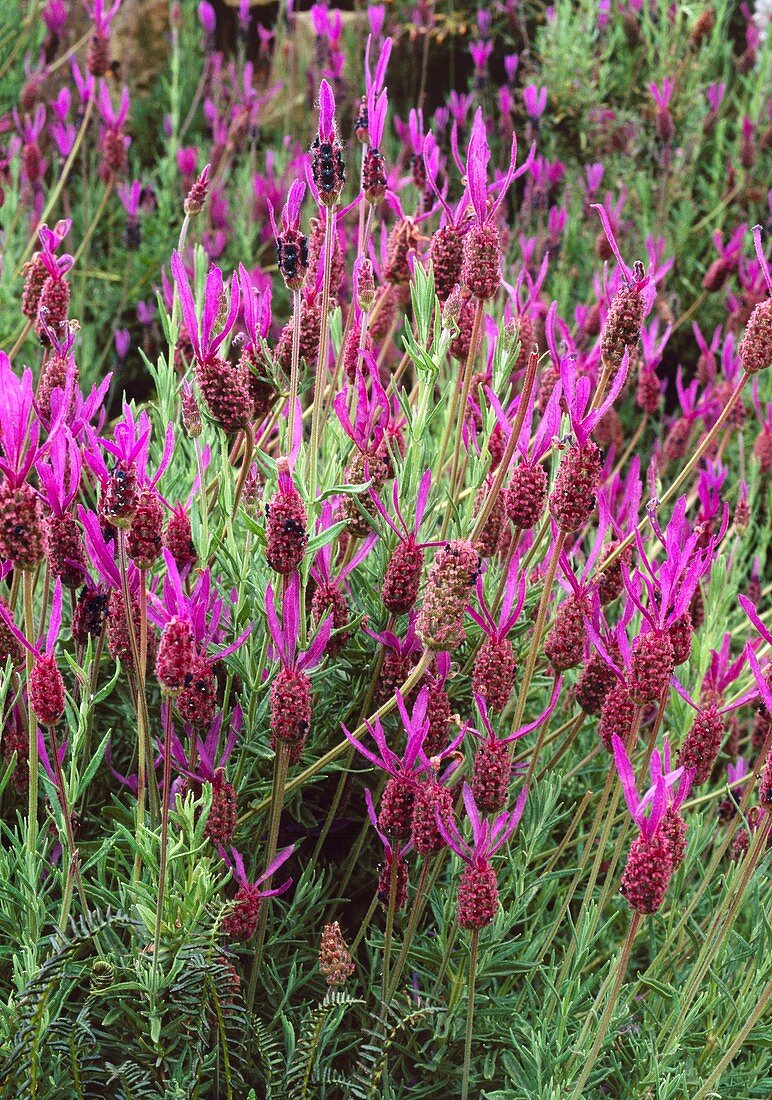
column 372, row 533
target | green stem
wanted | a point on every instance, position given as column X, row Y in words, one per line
column 321, row 363
column 94, row 221
column 167, row 782
column 62, row 180
column 462, row 405
column 533, row 653
column 388, row 935
column 621, row 968
column 469, row 1016
column 280, row 768
column 342, row 746
column 295, row 368
column 249, row 448
column 761, row 1006
column 32, row 731
column 509, row 451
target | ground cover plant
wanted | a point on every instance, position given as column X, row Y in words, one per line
column 385, row 512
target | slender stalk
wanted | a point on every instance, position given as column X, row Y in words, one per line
column 388, row 934
column 365, row 924
column 572, row 735
column 295, row 367
column 95, row 220
column 462, row 406
column 533, row 652
column 167, row 782
column 20, row 340
column 718, row 931
column 141, row 700
column 74, row 866
column 32, row 731
column 469, row 1015
column 312, row 465
column 621, row 967
column 280, row 768
column 350, row 754
column 61, row 181
column 761, row 1005
column 603, row 381
column 204, row 501
column 415, row 911
column 249, row 450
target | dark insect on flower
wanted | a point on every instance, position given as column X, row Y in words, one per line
column 120, row 495
column 291, row 244
column 286, row 524
column 327, row 167
column 176, row 654
column 21, row 528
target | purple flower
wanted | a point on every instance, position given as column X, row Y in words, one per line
column 130, row 195
column 594, row 173
column 84, row 82
column 376, row 17
column 122, row 342
column 54, row 15
column 207, row 17
column 60, row 475
column 101, row 15
column 670, row 584
column 372, row 410
column 416, row 725
column 511, row 62
column 662, row 96
column 535, row 100
column 326, row 129
column 715, row 95
column 478, row 156
column 286, row 635
column 205, row 343
column 578, row 392
column 235, row 863
column 112, row 118
column 481, row 52
column 660, row 796
column 487, row 836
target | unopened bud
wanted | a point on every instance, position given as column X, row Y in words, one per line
column 196, row 198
